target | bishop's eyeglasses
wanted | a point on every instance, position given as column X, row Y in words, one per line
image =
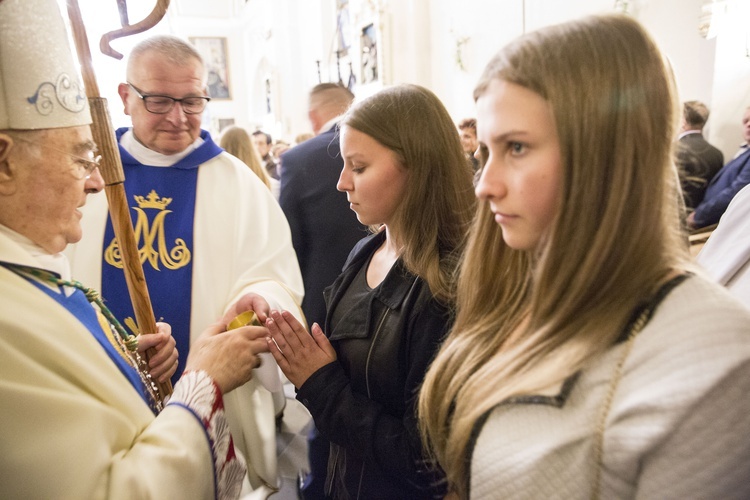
column 82, row 167
column 163, row 104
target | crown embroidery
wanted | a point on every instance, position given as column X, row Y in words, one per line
column 152, row 201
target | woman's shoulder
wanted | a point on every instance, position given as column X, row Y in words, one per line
column 698, row 334
column 700, row 305
column 680, row 399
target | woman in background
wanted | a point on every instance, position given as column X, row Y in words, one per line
column 405, row 176
column 586, row 359
column 237, row 142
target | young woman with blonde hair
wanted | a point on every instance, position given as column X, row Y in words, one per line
column 237, row 142
column 405, row 175
column 586, row 360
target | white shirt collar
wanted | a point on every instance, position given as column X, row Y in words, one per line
column 688, row 132
column 149, row 157
column 743, row 148
column 330, row 123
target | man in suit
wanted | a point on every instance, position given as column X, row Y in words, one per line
column 263, row 143
column 725, row 184
column 697, row 160
column 324, row 229
column 467, row 129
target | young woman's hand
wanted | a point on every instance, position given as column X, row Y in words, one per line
column 298, row 353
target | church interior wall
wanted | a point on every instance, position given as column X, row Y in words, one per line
column 278, row 49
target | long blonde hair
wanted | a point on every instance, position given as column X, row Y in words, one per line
column 615, row 238
column 433, row 218
column 236, row 141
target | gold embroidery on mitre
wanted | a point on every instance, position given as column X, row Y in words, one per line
column 150, row 237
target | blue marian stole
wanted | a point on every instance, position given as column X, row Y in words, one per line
column 79, row 306
column 162, row 202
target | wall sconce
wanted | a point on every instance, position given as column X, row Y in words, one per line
column 725, row 17
column 711, row 18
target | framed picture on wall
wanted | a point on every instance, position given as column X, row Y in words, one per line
column 214, row 53
column 225, row 122
column 369, row 54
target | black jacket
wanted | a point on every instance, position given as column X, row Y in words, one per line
column 364, row 403
column 697, row 163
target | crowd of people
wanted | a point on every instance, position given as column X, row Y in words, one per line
column 500, row 307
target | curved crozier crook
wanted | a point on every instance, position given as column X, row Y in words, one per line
column 127, row 29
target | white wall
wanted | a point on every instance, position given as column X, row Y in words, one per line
column 441, row 44
column 279, row 40
column 692, row 56
column 483, row 26
column 490, row 24
column 429, row 38
column 731, row 77
column 99, row 18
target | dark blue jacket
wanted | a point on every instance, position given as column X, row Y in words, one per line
column 734, row 176
column 697, row 163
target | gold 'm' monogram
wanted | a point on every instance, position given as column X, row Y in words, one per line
column 154, row 245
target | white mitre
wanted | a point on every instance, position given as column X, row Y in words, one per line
column 39, row 83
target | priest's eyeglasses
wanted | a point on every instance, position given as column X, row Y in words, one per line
column 163, row 104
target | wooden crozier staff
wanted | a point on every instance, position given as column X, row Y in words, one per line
column 111, row 165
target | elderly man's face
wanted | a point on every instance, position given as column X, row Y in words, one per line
column 47, row 189
column 172, row 132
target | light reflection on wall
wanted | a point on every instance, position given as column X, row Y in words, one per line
column 100, row 17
